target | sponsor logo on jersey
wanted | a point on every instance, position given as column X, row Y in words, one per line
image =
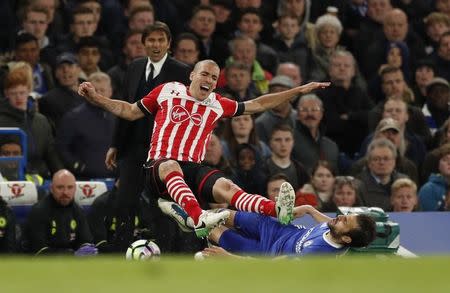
column 300, row 244
column 179, row 114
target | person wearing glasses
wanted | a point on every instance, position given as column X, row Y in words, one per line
column 310, row 144
column 379, row 173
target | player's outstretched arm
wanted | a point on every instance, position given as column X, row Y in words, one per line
column 300, row 211
column 269, row 101
column 119, row 108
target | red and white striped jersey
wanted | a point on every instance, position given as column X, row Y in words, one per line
column 183, row 125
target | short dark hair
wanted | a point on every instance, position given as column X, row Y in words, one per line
column 282, row 127
column 25, row 38
column 129, row 34
column 202, row 7
column 365, row 233
column 249, row 10
column 277, row 176
column 389, row 69
column 157, row 26
column 80, row 10
column 187, row 36
column 90, row 42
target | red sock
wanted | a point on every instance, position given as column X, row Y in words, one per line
column 253, row 203
column 182, row 194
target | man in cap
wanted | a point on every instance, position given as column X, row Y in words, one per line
column 64, row 97
column 282, row 114
column 436, row 108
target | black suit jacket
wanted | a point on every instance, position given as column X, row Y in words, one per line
column 172, row 70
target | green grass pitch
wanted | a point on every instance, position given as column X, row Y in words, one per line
column 175, row 274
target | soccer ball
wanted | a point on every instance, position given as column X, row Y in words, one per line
column 142, row 250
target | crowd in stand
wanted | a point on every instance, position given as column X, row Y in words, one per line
column 378, row 136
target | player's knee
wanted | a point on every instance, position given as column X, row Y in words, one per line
column 227, row 185
column 167, row 167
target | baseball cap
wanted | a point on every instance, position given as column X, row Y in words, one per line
column 437, row 81
column 282, row 80
column 66, row 58
column 386, row 124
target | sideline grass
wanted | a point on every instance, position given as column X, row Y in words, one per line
column 349, row 274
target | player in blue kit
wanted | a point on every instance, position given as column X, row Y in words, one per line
column 250, row 233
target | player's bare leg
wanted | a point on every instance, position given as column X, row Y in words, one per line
column 202, row 221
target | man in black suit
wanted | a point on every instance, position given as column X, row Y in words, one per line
column 131, row 139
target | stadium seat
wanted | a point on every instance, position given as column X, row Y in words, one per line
column 88, row 191
column 20, row 196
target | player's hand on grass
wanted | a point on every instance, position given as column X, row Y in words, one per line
column 216, row 251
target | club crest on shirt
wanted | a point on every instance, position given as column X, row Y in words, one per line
column 179, row 114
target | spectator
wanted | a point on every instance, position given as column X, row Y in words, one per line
column 319, row 191
column 281, row 144
column 345, row 194
column 412, row 146
column 346, row 105
column 310, row 143
column 7, row 229
column 27, row 50
column 141, row 17
column 132, row 49
column 214, row 156
column 35, row 21
column 436, row 24
column 273, row 185
column 434, row 195
column 243, row 50
column 250, row 24
column 63, row 98
column 379, row 174
column 291, row 45
column 437, row 105
column 282, row 114
column 394, row 85
column 83, row 25
column 390, row 129
column 10, row 147
column 301, row 10
column 203, row 25
column 239, row 83
column 187, row 49
column 88, row 53
column 404, row 195
column 371, row 27
column 224, row 23
column 395, row 28
column 87, row 125
column 291, row 70
column 249, row 172
column 442, row 6
column 239, row 130
column 431, row 163
column 328, row 30
column 423, row 74
column 56, row 23
column 56, row 224
column 18, row 111
column 442, row 57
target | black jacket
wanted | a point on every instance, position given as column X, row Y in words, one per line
column 42, row 156
column 7, row 229
column 52, row 228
